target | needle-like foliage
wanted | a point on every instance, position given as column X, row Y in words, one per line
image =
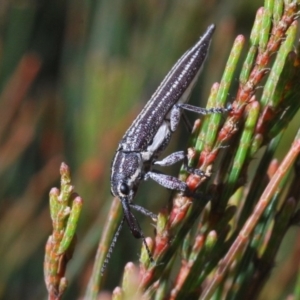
column 73, row 77
column 65, row 209
column 227, row 245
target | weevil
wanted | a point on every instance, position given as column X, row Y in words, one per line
column 150, row 133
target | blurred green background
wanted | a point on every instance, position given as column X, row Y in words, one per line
column 73, row 74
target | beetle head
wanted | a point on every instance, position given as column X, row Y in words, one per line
column 126, row 174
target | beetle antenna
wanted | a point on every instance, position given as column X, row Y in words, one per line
column 111, row 247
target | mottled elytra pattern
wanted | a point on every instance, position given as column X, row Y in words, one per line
column 150, row 133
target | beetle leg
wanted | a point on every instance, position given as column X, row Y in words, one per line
column 176, row 112
column 171, row 159
column 167, row 181
column 176, row 157
column 144, row 211
column 204, row 111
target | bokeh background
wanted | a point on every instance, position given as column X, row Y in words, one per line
column 73, row 74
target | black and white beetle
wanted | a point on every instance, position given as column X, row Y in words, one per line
column 151, row 131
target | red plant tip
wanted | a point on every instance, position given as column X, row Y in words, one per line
column 161, row 244
column 77, row 199
column 64, row 169
column 149, row 242
column 196, row 125
column 215, row 87
column 199, row 241
column 274, row 164
column 117, row 292
column 253, row 104
column 261, row 11
column 193, row 182
column 130, row 266
column 296, row 145
column 54, row 192
column 162, row 220
column 179, row 210
column 191, row 153
column 131, row 280
column 240, row 39
column 211, row 239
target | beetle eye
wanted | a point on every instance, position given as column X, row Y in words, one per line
column 124, row 189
